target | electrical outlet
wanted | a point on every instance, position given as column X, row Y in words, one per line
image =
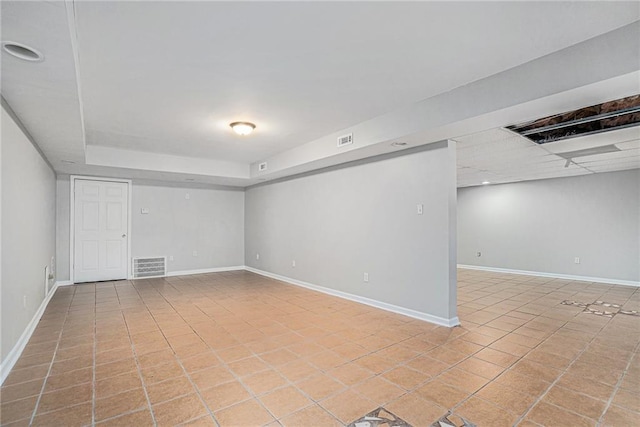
column 187, row 196
column 195, row 253
column 478, row 254
column 576, row 260
column 257, row 256
column 366, row 278
column 170, row 257
column 420, row 209
column 293, row 263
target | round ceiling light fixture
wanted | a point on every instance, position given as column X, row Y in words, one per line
column 486, row 182
column 242, row 128
column 22, row 51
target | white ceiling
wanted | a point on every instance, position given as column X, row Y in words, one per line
column 147, row 89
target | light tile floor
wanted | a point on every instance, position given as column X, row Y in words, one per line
column 238, row 349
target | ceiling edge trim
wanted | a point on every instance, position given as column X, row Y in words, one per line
column 70, row 7
column 24, row 130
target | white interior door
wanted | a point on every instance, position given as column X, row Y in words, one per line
column 100, row 230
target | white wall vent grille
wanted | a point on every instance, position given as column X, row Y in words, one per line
column 149, row 267
column 262, row 166
column 345, row 140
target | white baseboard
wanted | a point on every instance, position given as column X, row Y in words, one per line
column 552, row 275
column 204, row 270
column 64, row 283
column 363, row 300
column 18, row 348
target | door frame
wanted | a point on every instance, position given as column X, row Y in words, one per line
column 72, row 222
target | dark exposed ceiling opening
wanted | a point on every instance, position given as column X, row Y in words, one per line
column 608, row 116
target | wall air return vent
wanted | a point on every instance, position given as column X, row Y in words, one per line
column 612, row 115
column 345, row 140
column 149, row 267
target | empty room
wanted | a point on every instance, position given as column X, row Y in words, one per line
column 309, row 214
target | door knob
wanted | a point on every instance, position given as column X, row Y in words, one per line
column 124, row 235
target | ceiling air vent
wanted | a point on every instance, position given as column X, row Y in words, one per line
column 262, row 166
column 149, row 267
column 345, row 140
column 612, row 115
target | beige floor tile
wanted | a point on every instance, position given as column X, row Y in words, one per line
column 169, row 389
column 379, row 390
column 310, row 416
column 248, row 366
column 248, row 413
column 416, row 410
column 348, row 406
column 576, row 402
column 79, row 415
column 264, row 381
column 225, row 395
column 117, row 384
column 21, row 390
column 480, row 367
column 548, row 415
column 618, row 416
column 284, row 401
column 211, row 377
column 350, row 374
column 63, row 398
column 481, row 412
column 320, row 386
column 17, row 409
column 405, row 377
column 463, row 380
column 297, row 370
column 140, row 418
column 120, row 403
column 506, row 398
column 442, row 393
column 200, row 361
column 178, row 411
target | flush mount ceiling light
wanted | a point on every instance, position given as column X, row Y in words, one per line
column 486, row 182
column 242, row 128
column 22, row 51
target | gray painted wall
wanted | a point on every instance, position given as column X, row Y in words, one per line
column 28, row 230
column 210, row 222
column 543, row 225
column 343, row 222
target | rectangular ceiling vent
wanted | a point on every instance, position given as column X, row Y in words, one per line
column 345, row 140
column 149, row 267
column 262, row 166
column 605, row 117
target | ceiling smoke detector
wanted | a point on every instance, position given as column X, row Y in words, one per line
column 399, row 144
column 242, row 128
column 22, row 51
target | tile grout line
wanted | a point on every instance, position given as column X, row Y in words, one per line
column 95, row 344
column 289, row 383
column 135, row 356
column 546, row 391
column 510, row 367
column 177, row 358
column 616, row 388
column 53, row 358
